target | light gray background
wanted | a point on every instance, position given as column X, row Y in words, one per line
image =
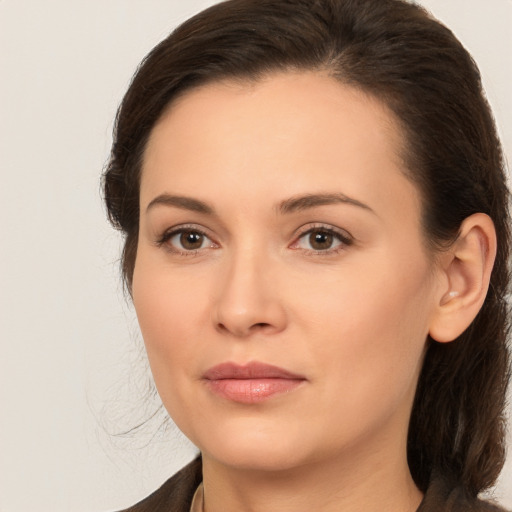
column 70, row 360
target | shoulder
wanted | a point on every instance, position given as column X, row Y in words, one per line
column 443, row 497
column 176, row 494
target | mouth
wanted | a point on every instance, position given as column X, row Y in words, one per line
column 251, row 383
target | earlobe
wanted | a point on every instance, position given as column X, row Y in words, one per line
column 466, row 269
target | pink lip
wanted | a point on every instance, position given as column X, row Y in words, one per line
column 250, row 383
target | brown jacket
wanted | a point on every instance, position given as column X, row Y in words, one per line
column 176, row 494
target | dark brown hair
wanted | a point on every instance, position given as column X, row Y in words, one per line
column 397, row 52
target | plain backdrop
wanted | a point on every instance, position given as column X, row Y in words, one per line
column 72, row 371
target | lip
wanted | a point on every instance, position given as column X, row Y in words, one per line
column 250, row 383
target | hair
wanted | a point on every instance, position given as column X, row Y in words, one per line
column 397, row 52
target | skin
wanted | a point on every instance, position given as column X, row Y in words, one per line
column 352, row 319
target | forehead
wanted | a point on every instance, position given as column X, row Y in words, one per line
column 286, row 100
column 285, row 134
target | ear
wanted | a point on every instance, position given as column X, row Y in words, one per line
column 466, row 271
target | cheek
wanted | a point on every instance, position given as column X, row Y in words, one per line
column 170, row 314
column 167, row 300
column 372, row 327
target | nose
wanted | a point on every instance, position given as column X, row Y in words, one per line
column 248, row 299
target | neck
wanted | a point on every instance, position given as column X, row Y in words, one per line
column 371, row 482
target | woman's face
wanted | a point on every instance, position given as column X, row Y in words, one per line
column 281, row 282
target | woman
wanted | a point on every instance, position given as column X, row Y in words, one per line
column 316, row 218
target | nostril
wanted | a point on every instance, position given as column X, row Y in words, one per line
column 240, row 330
column 222, row 327
column 260, row 326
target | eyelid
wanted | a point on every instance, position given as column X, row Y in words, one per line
column 169, row 233
column 342, row 235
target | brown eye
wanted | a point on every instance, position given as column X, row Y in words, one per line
column 183, row 241
column 191, row 240
column 321, row 240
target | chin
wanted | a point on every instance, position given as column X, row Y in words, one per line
column 257, row 448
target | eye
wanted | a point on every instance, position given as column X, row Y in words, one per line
column 322, row 239
column 186, row 240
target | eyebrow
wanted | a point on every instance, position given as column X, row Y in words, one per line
column 291, row 205
column 183, row 202
column 307, row 201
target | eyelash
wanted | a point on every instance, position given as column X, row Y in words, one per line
column 343, row 237
column 169, row 234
